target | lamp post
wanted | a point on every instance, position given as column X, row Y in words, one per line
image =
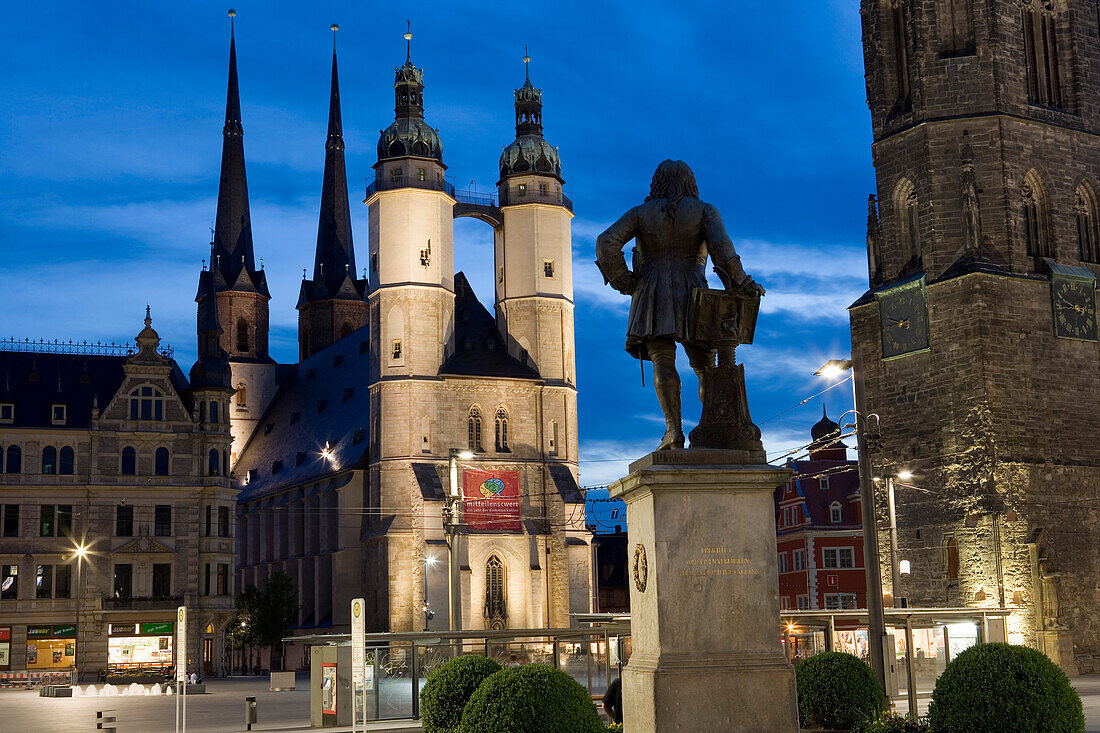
column 876, row 618
column 452, row 526
column 895, row 566
column 429, row 614
column 81, row 553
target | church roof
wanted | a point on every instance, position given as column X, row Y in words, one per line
column 33, row 382
column 326, row 400
column 479, row 349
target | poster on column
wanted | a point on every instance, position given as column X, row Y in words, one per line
column 491, row 499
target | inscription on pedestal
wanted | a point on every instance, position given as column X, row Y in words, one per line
column 713, row 562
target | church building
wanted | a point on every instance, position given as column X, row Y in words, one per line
column 977, row 340
column 343, row 458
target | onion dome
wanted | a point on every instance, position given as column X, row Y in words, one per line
column 826, row 433
column 409, row 134
column 529, row 152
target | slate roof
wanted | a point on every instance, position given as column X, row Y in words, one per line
column 35, row 381
column 479, row 349
column 325, row 398
column 843, row 483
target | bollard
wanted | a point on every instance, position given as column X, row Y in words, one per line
column 249, row 712
column 105, row 721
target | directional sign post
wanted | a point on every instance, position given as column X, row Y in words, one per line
column 181, row 669
column 358, row 659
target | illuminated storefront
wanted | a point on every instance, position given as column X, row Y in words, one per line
column 5, row 647
column 51, row 647
column 139, row 647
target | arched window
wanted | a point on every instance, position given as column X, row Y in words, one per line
column 15, row 459
column 956, row 28
column 836, row 513
column 345, row 329
column 1037, row 240
column 1084, row 206
column 907, row 220
column 899, row 27
column 502, row 431
column 129, row 461
column 242, row 334
column 160, row 462
column 496, row 612
column 1040, row 24
column 66, row 460
column 950, row 552
column 146, row 403
column 49, row 459
column 213, row 412
column 242, row 395
column 473, row 429
column 214, row 463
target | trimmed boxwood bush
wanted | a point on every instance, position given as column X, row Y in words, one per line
column 1006, row 688
column 531, row 699
column 836, row 690
column 449, row 688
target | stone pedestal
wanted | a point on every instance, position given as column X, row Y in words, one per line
column 704, row 598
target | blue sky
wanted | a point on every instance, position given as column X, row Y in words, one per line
column 111, row 136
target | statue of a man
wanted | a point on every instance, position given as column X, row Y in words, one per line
column 674, row 232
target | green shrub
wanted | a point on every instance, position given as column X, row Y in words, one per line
column 1006, row 688
column 615, row 728
column 891, row 722
column 531, row 699
column 836, row 690
column 449, row 688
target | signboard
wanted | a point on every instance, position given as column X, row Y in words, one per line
column 328, row 689
column 181, row 644
column 156, row 628
column 51, row 632
column 358, row 643
column 491, row 499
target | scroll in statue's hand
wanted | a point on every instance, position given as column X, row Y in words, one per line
column 626, row 282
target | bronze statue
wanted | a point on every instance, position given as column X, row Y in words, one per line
column 674, row 232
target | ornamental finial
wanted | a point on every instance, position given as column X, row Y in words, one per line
column 408, row 41
column 526, row 63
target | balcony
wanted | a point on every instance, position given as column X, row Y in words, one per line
column 394, row 182
column 148, row 603
column 509, row 197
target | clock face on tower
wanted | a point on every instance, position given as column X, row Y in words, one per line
column 903, row 316
column 1074, row 302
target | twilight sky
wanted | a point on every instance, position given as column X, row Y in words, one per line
column 110, row 144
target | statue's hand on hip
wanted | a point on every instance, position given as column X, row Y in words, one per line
column 626, row 282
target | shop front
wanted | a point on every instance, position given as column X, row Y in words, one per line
column 5, row 647
column 139, row 647
column 51, row 647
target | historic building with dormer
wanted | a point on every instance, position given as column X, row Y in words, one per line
column 977, row 340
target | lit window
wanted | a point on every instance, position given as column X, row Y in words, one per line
column 242, row 396
column 523, row 189
column 840, row 601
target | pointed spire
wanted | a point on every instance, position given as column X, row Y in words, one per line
column 408, row 41
column 233, row 226
column 526, row 63
column 335, row 254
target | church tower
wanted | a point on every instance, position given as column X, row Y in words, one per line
column 534, row 273
column 333, row 303
column 977, row 340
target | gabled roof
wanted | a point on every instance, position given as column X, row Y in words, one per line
column 33, row 382
column 325, row 399
column 479, row 349
column 816, row 502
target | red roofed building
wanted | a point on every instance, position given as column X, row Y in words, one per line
column 819, row 533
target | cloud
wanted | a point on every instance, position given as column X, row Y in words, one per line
column 604, row 461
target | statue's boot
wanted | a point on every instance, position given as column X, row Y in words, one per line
column 668, row 395
column 673, row 440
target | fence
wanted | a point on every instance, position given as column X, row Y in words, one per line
column 99, row 348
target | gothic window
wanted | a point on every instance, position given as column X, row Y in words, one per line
column 495, row 609
column 552, row 435
column 1044, row 84
column 15, row 459
column 214, row 461
column 1084, row 206
column 874, row 239
column 950, row 553
column 1037, row 240
column 242, row 395
column 129, row 461
column 907, row 220
column 473, row 429
column 502, row 437
column 160, row 462
column 899, row 26
column 49, row 460
column 146, row 403
column 955, row 26
column 242, row 334
column 66, row 459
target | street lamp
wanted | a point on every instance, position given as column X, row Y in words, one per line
column 429, row 614
column 81, row 552
column 452, row 526
column 876, row 614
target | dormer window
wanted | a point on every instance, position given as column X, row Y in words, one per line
column 146, row 403
column 823, row 482
column 58, row 413
column 835, row 513
column 7, row 412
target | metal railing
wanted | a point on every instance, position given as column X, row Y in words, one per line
column 470, row 196
column 510, row 197
column 390, row 183
column 99, row 348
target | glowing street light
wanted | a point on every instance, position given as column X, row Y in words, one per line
column 905, row 475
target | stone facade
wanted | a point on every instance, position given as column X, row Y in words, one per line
column 983, row 164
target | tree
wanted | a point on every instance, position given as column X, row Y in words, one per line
column 278, row 609
column 241, row 631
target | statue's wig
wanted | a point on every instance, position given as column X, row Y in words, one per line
column 672, row 181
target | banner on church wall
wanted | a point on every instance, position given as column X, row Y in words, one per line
column 491, row 499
